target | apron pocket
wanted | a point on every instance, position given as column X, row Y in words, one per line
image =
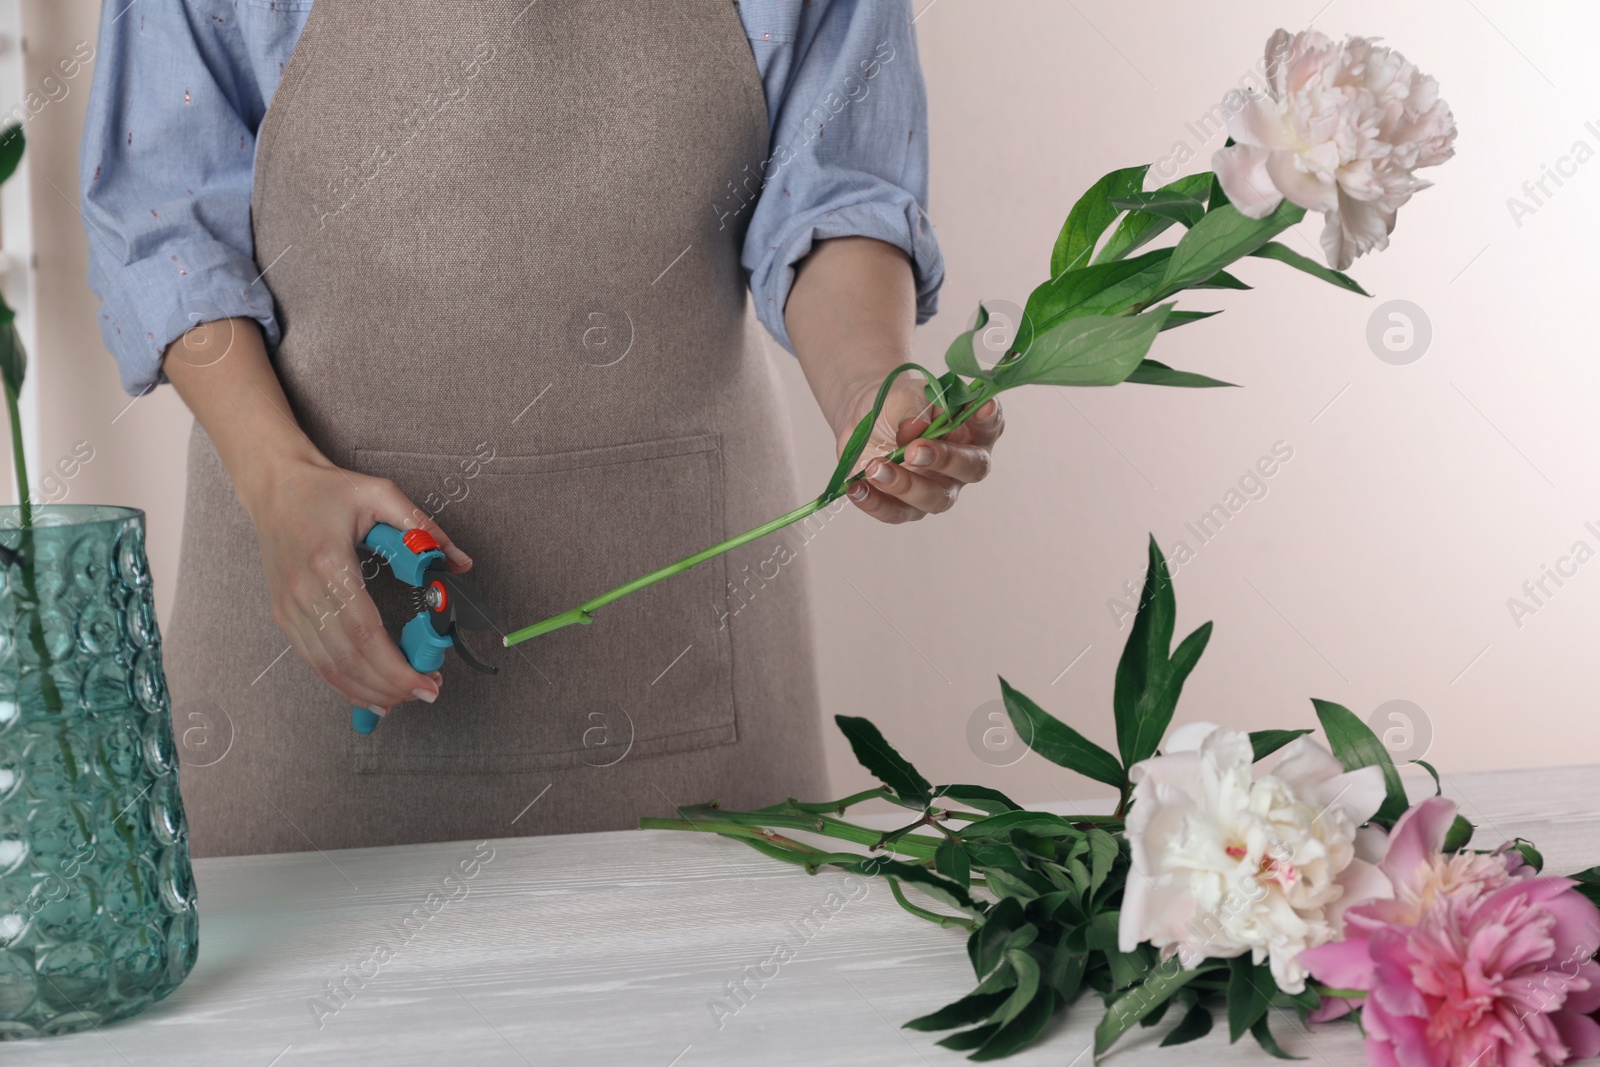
column 652, row 675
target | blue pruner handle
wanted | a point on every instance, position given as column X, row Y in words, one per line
column 423, row 647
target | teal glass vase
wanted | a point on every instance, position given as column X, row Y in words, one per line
column 97, row 901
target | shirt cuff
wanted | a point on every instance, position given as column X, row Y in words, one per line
column 897, row 220
column 155, row 301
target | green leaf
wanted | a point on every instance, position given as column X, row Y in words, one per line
column 863, row 431
column 1101, row 933
column 950, row 389
column 1357, row 746
column 972, row 1008
column 1000, row 979
column 960, row 356
column 936, row 886
column 1105, row 288
column 13, row 358
column 1150, row 372
column 1042, row 823
column 1155, row 1017
column 969, row 1039
column 951, row 860
column 1148, row 682
column 1458, row 836
column 986, row 945
column 1250, row 990
column 1438, row 786
column 1588, row 883
column 1180, row 318
column 1087, row 350
column 1127, row 968
column 1005, row 884
column 1263, row 1035
column 977, row 796
column 1058, row 742
column 1062, row 908
column 1264, row 743
column 1137, row 228
column 1308, row 999
column 1194, row 1025
column 880, row 757
column 1079, row 874
column 1091, row 215
column 1532, row 855
column 1065, row 973
column 1103, row 853
column 1221, row 280
column 1217, row 198
column 1022, row 1030
column 1223, row 236
column 1284, row 254
column 1141, row 1000
column 12, row 144
column 1027, row 971
column 1167, row 202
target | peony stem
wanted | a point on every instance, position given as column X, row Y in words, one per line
column 923, row 913
column 915, row 845
column 836, row 807
column 18, row 460
column 583, row 614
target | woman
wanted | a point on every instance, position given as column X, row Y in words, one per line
column 485, row 263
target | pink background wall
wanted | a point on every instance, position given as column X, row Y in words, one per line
column 1378, row 564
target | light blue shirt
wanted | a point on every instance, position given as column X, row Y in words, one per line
column 180, row 88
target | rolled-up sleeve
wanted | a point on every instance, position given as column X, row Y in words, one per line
column 849, row 146
column 168, row 160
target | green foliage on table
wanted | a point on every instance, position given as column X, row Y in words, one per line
column 1040, row 894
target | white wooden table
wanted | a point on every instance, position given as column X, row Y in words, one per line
column 612, row 948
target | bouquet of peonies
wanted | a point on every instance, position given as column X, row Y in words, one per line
column 1341, row 130
column 1215, row 886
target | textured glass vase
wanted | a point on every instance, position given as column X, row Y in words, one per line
column 97, row 902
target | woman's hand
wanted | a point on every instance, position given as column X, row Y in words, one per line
column 931, row 477
column 850, row 317
column 309, row 516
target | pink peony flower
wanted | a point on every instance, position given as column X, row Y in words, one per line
column 1475, row 960
column 1341, row 131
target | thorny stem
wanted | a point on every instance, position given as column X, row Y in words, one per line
column 583, row 614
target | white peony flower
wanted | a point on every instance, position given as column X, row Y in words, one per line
column 1226, row 863
column 1341, row 131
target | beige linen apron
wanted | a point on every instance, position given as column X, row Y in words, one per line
column 503, row 248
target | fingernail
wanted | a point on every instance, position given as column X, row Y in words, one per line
column 883, row 474
column 427, row 696
column 988, row 412
column 378, row 711
column 436, row 677
column 920, row 456
column 859, row 492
